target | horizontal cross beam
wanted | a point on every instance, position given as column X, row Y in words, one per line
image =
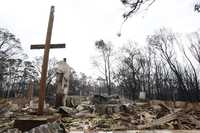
column 41, row 46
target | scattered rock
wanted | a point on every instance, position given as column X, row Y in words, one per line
column 83, row 107
column 67, row 111
column 84, row 114
column 14, row 107
column 51, row 110
column 54, row 127
column 98, row 99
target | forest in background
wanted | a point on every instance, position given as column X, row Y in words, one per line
column 166, row 68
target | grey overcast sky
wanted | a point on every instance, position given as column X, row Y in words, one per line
column 79, row 23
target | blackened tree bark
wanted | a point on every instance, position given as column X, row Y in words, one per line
column 105, row 50
column 164, row 41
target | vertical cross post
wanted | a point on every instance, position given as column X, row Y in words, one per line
column 45, row 63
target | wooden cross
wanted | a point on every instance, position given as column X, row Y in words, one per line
column 46, row 48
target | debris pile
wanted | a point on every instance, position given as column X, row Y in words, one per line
column 98, row 113
column 18, row 115
column 110, row 113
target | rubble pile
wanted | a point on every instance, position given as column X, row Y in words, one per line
column 17, row 113
column 98, row 113
column 110, row 113
column 8, row 112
